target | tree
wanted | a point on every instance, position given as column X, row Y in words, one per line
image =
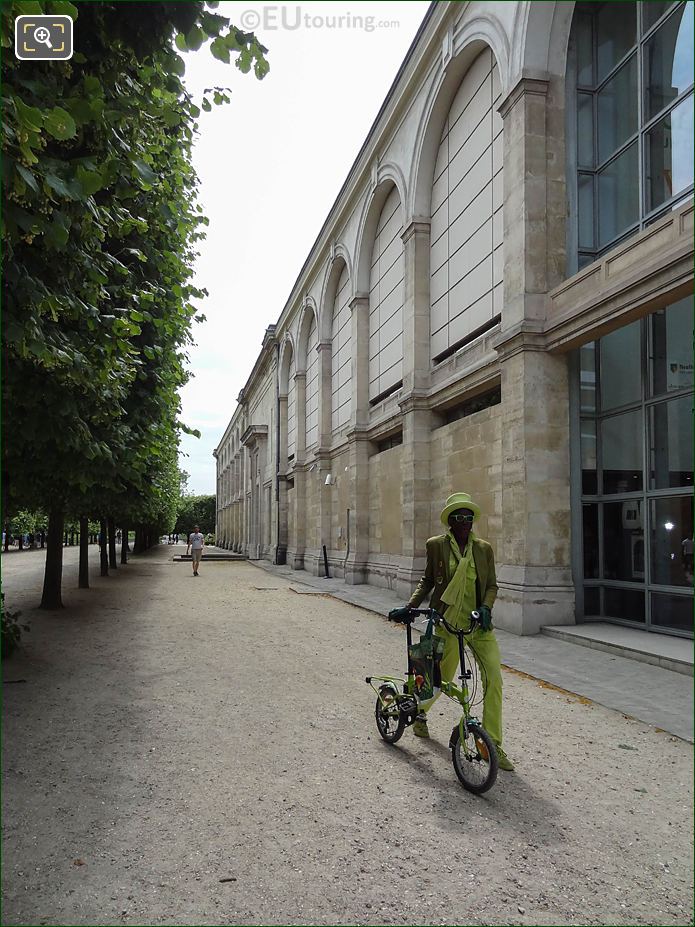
column 196, row 510
column 99, row 239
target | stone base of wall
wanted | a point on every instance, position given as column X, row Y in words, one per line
column 531, row 597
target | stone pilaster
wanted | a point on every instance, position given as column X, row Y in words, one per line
column 282, row 541
column 358, row 446
column 359, row 308
column 358, row 473
column 417, row 490
column 299, row 514
column 416, row 417
column 534, row 556
column 416, row 307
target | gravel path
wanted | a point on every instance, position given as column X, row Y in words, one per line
column 203, row 751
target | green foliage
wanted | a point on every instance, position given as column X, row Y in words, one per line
column 100, row 233
column 10, row 628
column 196, row 510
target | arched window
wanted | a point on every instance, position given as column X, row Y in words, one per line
column 312, row 386
column 341, row 360
column 386, row 302
column 291, row 411
column 630, row 120
column 466, row 251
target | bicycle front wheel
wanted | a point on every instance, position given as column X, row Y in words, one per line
column 389, row 720
column 475, row 759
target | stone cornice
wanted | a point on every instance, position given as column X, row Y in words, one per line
column 415, row 401
column 418, row 226
column 525, row 85
column 358, row 302
column 253, row 434
column 527, row 335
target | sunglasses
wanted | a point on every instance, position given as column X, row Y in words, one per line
column 462, row 519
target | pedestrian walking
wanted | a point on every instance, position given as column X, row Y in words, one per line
column 460, row 574
column 196, row 543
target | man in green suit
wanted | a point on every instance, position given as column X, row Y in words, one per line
column 460, row 574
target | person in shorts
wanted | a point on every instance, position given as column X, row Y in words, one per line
column 196, row 543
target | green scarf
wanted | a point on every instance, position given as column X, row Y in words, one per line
column 459, row 595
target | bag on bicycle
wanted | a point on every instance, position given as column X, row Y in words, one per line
column 425, row 660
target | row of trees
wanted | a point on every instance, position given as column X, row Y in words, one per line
column 101, row 226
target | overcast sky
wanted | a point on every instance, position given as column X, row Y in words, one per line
column 271, row 164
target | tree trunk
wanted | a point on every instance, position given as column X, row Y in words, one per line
column 7, row 538
column 43, row 539
column 103, row 550
column 126, row 539
column 53, row 575
column 21, row 541
column 113, row 562
column 83, row 581
column 124, row 544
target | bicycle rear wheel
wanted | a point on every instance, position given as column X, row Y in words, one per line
column 475, row 759
column 389, row 721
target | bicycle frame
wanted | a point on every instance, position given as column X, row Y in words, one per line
column 450, row 689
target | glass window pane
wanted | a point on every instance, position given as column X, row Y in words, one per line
column 617, row 110
column 618, row 195
column 671, row 443
column 585, row 130
column 668, row 61
column 587, row 375
column 621, row 451
column 588, row 455
column 623, row 541
column 671, row 338
column 592, row 600
column 616, row 31
column 673, row 611
column 669, row 153
column 627, row 604
column 621, row 363
column 585, row 53
column 590, row 545
column 672, row 541
column 585, row 203
column 584, row 260
column 651, row 11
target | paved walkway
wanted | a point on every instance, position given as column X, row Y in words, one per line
column 658, row 696
column 202, row 751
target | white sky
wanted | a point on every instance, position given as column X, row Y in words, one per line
column 271, row 164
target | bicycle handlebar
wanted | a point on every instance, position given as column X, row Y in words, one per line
column 435, row 616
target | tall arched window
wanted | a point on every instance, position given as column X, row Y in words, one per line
column 312, row 386
column 341, row 360
column 386, row 302
column 466, row 258
column 630, row 119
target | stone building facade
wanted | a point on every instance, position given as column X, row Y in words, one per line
column 499, row 302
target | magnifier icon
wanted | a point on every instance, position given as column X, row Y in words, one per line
column 43, row 36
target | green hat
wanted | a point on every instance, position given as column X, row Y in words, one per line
column 459, row 500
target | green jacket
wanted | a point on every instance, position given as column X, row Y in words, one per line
column 437, row 573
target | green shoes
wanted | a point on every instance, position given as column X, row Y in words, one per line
column 503, row 760
column 420, row 728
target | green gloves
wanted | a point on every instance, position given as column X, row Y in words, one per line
column 485, row 618
column 399, row 614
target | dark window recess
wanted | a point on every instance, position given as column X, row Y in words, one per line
column 386, row 393
column 476, row 404
column 387, row 443
column 290, row 457
column 467, row 340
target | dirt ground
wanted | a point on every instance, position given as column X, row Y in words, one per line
column 203, row 751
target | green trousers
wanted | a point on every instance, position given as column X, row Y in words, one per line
column 485, row 649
